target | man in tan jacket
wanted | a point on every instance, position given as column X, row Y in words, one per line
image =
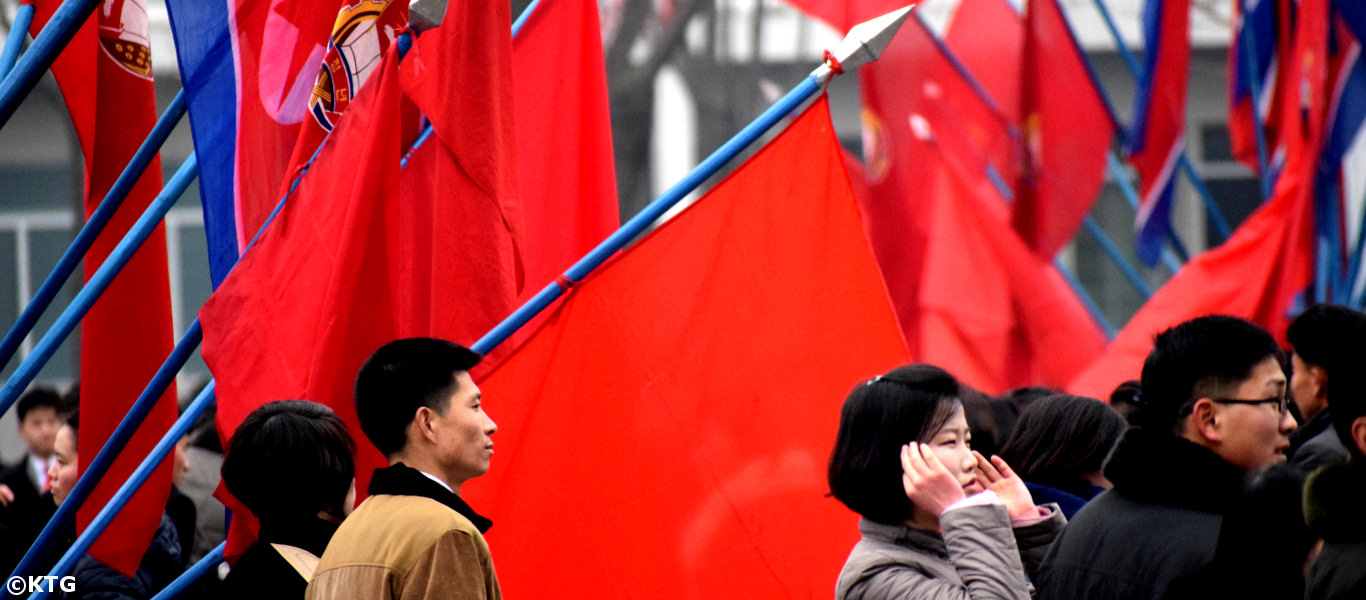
column 414, row 537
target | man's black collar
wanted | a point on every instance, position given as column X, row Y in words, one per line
column 1160, row 468
column 403, row 480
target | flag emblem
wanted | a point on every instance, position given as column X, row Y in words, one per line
column 124, row 37
column 358, row 40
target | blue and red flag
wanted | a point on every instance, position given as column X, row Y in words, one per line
column 1341, row 185
column 1261, row 30
column 249, row 69
column 1158, row 137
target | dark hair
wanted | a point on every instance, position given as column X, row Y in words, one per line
column 909, row 403
column 1061, row 438
column 1126, row 398
column 40, row 397
column 73, row 420
column 401, row 377
column 290, row 459
column 1205, row 356
column 1318, row 335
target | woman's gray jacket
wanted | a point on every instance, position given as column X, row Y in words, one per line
column 979, row 555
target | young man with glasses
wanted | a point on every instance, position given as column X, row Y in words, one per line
column 1212, row 410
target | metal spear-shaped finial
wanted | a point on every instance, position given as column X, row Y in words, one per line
column 864, row 42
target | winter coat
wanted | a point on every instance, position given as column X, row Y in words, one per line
column 412, row 538
column 262, row 573
column 979, row 555
column 1335, row 512
column 161, row 564
column 1316, row 444
column 1155, row 534
column 1070, row 499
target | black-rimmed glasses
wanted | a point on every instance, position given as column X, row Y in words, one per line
column 1281, row 402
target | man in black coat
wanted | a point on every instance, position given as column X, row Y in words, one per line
column 1333, row 498
column 1317, row 337
column 1212, row 409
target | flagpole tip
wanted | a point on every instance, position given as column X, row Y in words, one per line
column 424, row 15
column 866, row 41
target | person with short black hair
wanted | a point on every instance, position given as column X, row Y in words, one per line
column 1333, row 495
column 1058, row 447
column 417, row 404
column 23, row 486
column 939, row 520
column 1213, row 410
column 289, row 462
column 1319, row 337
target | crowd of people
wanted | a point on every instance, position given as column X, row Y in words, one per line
column 1228, row 469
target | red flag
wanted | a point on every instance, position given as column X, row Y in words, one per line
column 106, row 78
column 1261, row 270
column 994, row 314
column 277, row 46
column 899, row 125
column 1067, row 130
column 564, row 138
column 1158, row 137
column 359, row 257
column 683, row 400
column 360, row 36
column 994, row 60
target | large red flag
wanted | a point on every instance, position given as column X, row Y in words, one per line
column 671, row 423
column 1067, row 131
column 315, row 290
column 564, row 138
column 361, row 256
column 899, row 124
column 106, row 78
column 1259, row 273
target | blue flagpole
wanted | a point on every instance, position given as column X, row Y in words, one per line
column 129, row 487
column 193, row 574
column 92, row 229
column 119, row 257
column 1172, row 256
column 1091, row 306
column 66, row 512
column 22, row 19
column 1125, row 267
column 58, row 31
column 1215, row 216
column 1248, row 41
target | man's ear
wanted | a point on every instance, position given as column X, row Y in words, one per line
column 422, row 423
column 1359, row 433
column 1205, row 421
column 1319, row 377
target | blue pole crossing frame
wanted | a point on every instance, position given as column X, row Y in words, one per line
column 18, row 31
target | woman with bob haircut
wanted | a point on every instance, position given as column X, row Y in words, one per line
column 939, row 520
column 1058, row 447
column 290, row 464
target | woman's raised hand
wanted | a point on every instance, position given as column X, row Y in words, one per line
column 997, row 476
column 928, row 483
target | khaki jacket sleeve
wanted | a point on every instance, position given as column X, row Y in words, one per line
column 457, row 567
